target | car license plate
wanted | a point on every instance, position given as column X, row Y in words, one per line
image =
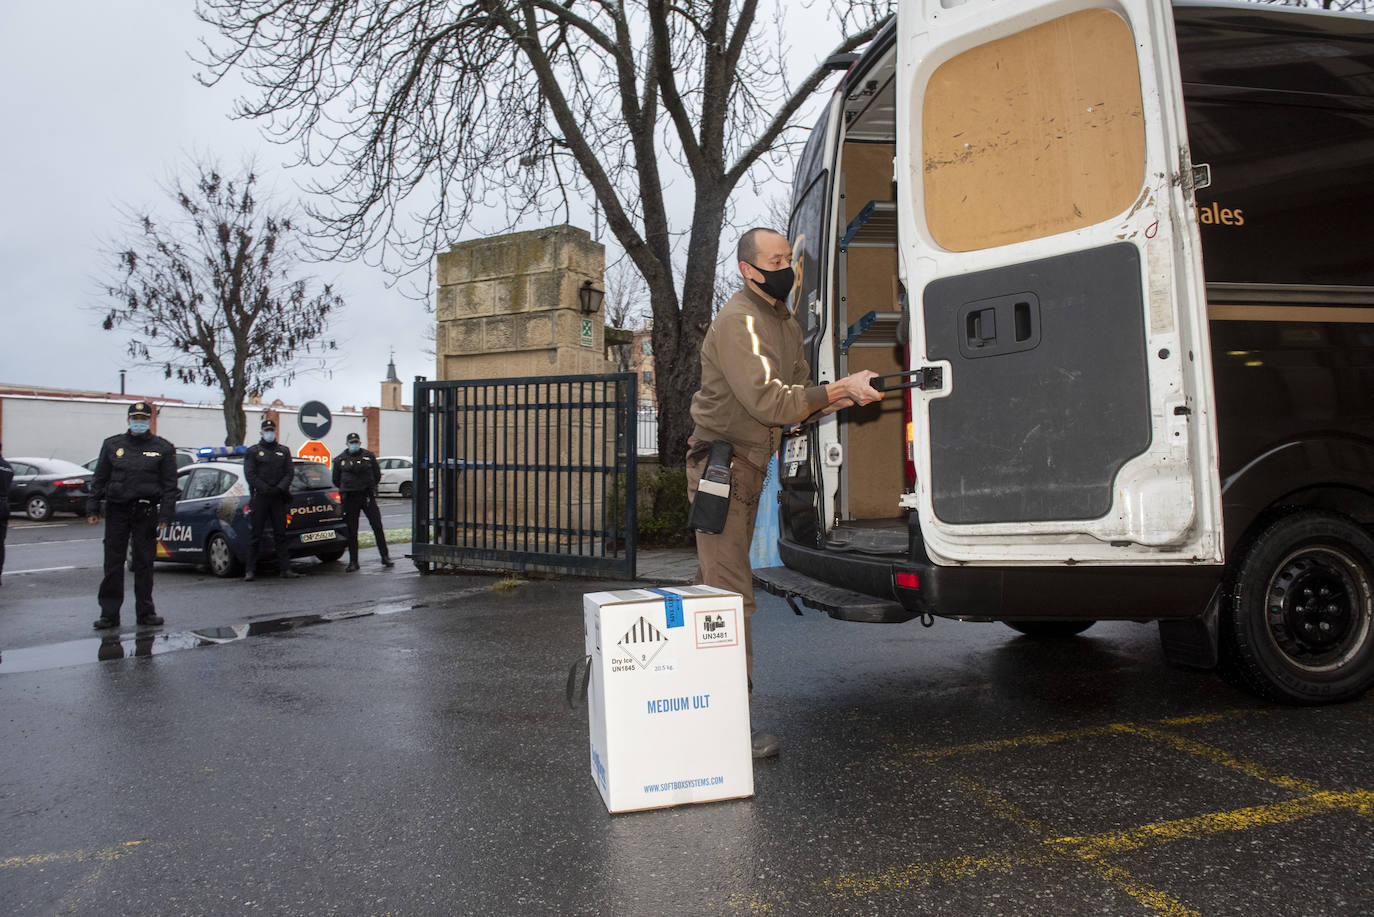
column 316, row 536
column 794, row 450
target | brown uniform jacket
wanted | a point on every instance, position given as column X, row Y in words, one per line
column 753, row 377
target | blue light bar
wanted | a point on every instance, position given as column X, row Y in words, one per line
column 210, row 453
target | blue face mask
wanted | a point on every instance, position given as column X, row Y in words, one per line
column 269, row 437
column 138, row 427
column 355, row 447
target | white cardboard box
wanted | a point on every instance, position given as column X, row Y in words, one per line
column 667, row 697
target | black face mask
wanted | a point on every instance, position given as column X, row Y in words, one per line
column 776, row 284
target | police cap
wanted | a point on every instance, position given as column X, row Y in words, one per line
column 269, row 424
column 140, row 409
column 353, row 438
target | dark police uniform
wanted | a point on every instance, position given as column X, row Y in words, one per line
column 269, row 471
column 6, row 476
column 357, row 474
column 134, row 476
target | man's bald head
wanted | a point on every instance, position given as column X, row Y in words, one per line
column 748, row 248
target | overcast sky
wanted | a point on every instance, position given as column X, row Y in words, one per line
column 101, row 107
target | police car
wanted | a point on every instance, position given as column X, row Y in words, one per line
column 213, row 517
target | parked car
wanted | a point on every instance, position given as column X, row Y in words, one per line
column 43, row 486
column 213, row 517
column 396, row 475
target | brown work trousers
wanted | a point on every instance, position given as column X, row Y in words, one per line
column 723, row 559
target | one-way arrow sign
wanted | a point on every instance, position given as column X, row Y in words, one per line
column 314, row 420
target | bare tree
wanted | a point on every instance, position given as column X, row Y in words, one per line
column 210, row 293
column 626, row 306
column 627, row 301
column 433, row 110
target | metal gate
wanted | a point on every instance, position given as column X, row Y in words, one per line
column 532, row 474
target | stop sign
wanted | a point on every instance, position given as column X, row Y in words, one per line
column 316, row 451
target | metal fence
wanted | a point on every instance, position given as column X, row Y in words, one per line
column 648, row 432
column 529, row 474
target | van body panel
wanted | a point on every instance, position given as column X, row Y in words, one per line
column 1050, row 254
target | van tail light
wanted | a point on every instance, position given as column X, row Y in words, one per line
column 334, row 497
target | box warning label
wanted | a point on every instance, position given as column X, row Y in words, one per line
column 642, row 642
column 717, row 627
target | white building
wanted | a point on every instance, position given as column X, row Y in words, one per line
column 67, row 424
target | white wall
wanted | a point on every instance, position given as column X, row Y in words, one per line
column 187, row 425
column 72, row 428
column 397, row 433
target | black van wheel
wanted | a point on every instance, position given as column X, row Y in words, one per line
column 1301, row 617
column 219, row 557
column 1050, row 630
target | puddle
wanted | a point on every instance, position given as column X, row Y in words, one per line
column 149, row 642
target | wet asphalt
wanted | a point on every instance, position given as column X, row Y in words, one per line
column 387, row 743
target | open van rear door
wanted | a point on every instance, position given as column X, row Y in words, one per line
column 1050, row 252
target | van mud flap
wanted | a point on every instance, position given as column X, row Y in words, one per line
column 844, row 604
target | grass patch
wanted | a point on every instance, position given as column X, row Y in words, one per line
column 509, row 583
column 393, row 536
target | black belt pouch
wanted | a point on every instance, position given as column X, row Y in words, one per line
column 712, row 501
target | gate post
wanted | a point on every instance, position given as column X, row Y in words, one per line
column 509, row 306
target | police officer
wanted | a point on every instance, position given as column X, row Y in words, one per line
column 269, row 471
column 356, row 474
column 135, row 474
column 6, row 476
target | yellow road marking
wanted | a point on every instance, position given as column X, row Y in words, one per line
column 40, row 859
column 1068, row 735
column 1157, row 899
column 914, row 875
column 1217, row 756
column 1092, row 850
column 751, row 903
column 1043, row 738
column 1275, row 813
column 1044, row 852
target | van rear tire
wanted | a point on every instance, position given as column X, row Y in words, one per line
column 1300, row 624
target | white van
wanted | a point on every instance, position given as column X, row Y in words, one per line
column 1005, row 210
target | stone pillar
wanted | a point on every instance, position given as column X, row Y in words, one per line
column 508, row 306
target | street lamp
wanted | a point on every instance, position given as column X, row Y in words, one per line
column 589, row 297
